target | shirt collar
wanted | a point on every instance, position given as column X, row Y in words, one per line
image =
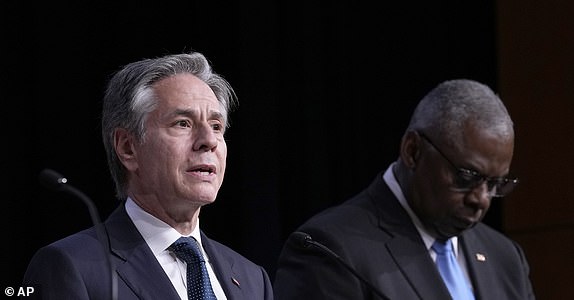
column 393, row 184
column 156, row 233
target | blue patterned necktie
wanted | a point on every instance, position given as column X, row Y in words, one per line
column 450, row 271
column 198, row 286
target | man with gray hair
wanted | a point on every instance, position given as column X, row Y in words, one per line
column 416, row 231
column 163, row 125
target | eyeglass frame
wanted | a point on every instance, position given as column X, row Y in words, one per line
column 493, row 184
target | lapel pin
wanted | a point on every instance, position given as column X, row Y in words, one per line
column 235, row 281
column 480, row 257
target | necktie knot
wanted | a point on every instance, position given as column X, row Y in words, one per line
column 198, row 285
column 442, row 246
column 187, row 249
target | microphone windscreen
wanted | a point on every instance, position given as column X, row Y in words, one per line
column 52, row 179
column 301, row 239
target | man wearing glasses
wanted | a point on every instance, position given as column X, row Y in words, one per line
column 454, row 159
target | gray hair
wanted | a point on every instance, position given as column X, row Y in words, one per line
column 129, row 98
column 444, row 110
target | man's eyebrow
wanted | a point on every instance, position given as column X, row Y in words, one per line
column 213, row 114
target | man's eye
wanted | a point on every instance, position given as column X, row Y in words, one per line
column 469, row 174
column 183, row 123
column 217, row 126
column 467, row 177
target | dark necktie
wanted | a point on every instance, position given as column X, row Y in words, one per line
column 198, row 286
column 450, row 271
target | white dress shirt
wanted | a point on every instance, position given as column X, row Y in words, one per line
column 159, row 236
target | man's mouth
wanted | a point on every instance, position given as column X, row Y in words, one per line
column 203, row 170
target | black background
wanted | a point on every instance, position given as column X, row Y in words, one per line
column 325, row 91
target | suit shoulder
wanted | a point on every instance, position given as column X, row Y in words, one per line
column 484, row 230
column 228, row 252
column 80, row 244
column 490, row 236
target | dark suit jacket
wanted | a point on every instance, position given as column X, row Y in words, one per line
column 75, row 267
column 374, row 234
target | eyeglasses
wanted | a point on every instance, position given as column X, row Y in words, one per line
column 467, row 180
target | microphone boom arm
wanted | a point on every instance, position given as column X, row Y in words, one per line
column 55, row 181
column 305, row 240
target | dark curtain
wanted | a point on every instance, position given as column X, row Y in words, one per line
column 325, row 92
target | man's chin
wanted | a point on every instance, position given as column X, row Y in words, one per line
column 204, row 201
column 446, row 232
column 202, row 194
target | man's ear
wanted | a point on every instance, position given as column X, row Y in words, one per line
column 410, row 149
column 124, row 147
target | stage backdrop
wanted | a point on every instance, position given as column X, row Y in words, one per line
column 325, row 92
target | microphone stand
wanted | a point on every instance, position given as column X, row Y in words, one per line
column 55, row 181
column 305, row 240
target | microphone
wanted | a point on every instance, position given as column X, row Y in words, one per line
column 55, row 181
column 304, row 240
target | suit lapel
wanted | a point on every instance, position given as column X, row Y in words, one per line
column 405, row 246
column 136, row 265
column 418, row 268
column 480, row 269
column 223, row 266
